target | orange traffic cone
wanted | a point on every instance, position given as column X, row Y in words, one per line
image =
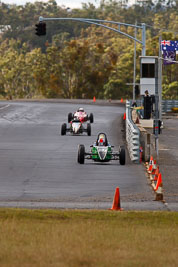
column 149, row 170
column 116, row 201
column 159, row 181
column 150, row 162
column 153, row 171
column 94, row 99
column 154, row 168
column 156, row 174
column 159, row 188
column 122, row 100
column 124, row 117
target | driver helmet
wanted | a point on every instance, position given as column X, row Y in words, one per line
column 80, row 110
column 101, row 140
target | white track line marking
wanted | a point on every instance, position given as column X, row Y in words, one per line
column 5, row 106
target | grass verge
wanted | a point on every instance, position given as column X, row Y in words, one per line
column 87, row 238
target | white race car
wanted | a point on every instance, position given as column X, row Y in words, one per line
column 81, row 115
column 76, row 127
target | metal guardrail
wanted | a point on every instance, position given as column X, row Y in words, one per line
column 132, row 135
column 167, row 105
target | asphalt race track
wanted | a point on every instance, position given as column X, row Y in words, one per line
column 38, row 166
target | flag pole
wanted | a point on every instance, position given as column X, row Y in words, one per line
column 160, row 77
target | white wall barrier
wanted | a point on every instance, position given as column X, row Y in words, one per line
column 132, row 136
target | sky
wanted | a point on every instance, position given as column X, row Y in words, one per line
column 66, row 3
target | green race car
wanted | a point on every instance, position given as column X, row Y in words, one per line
column 101, row 151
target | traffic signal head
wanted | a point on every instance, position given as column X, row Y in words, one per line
column 158, row 126
column 40, row 28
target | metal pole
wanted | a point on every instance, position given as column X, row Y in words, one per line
column 90, row 21
column 143, row 39
column 160, row 78
column 134, row 74
column 156, row 106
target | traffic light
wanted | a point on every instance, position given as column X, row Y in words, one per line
column 158, row 127
column 40, row 28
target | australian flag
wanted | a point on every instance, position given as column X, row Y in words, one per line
column 169, row 50
column 169, row 45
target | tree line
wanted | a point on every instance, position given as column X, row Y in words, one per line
column 77, row 60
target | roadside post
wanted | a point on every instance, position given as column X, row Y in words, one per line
column 156, row 115
column 134, row 72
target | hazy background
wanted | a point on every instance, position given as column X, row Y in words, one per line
column 67, row 3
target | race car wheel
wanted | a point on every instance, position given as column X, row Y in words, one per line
column 70, row 117
column 63, row 129
column 88, row 129
column 81, row 154
column 91, row 118
column 122, row 156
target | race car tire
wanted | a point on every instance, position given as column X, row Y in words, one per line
column 63, row 129
column 122, row 156
column 81, row 154
column 89, row 129
column 70, row 117
column 91, row 118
